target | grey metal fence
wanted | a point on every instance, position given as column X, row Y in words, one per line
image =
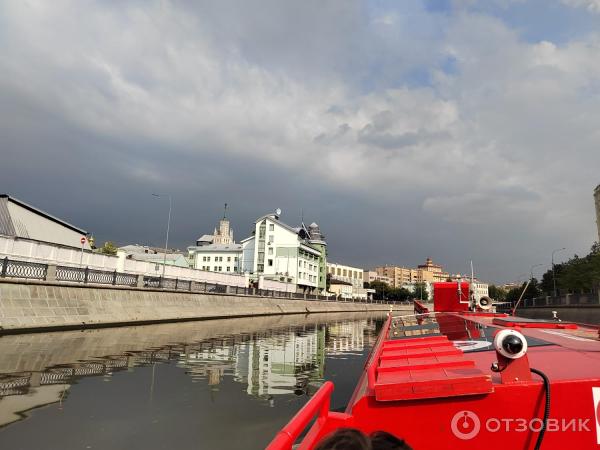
column 29, row 270
column 23, row 269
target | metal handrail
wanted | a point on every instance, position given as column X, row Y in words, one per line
column 318, row 404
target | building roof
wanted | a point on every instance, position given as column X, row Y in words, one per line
column 155, row 257
column 5, row 226
column 216, row 248
column 205, row 238
column 147, row 253
column 274, row 218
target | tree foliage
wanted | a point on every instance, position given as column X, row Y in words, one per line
column 497, row 293
column 421, row 291
column 533, row 291
column 384, row 291
column 108, row 248
column 578, row 274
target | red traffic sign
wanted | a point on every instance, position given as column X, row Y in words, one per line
column 82, row 240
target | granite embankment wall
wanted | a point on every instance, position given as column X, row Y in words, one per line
column 28, row 306
column 582, row 314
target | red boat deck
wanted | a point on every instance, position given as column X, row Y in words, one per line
column 426, row 367
column 428, row 380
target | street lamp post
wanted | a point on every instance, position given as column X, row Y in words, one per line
column 533, row 267
column 168, row 227
column 553, row 275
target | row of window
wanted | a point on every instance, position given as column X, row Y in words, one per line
column 219, row 259
column 307, row 276
column 345, row 272
column 219, row 269
column 305, row 265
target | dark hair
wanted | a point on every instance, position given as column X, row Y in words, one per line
column 345, row 439
column 381, row 440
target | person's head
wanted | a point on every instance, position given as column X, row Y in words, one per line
column 345, row 439
column 380, row 440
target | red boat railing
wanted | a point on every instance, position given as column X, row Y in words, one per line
column 420, row 308
column 319, row 403
column 373, row 360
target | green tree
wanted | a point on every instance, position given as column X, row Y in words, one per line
column 497, row 293
column 533, row 291
column 421, row 291
column 108, row 248
column 381, row 289
column 578, row 274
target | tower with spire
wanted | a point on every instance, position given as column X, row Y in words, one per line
column 224, row 235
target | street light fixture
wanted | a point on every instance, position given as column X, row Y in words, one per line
column 168, row 227
column 533, row 267
column 553, row 275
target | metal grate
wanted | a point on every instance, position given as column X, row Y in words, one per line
column 23, row 269
column 74, row 274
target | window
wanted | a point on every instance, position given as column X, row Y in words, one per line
column 228, row 258
column 270, row 251
column 228, row 269
column 208, row 259
column 216, row 269
column 235, row 269
column 235, row 258
column 220, row 269
column 271, row 239
column 271, row 227
column 270, row 262
column 261, row 231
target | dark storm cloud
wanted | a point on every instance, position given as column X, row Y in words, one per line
column 343, row 110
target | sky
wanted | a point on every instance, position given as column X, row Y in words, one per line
column 453, row 129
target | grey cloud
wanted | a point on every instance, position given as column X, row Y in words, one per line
column 302, row 106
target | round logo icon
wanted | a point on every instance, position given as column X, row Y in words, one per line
column 465, row 425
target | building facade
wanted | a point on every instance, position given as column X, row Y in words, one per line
column 317, row 241
column 404, row 276
column 280, row 252
column 224, row 258
column 21, row 220
column 370, row 275
column 217, row 252
column 436, row 270
column 597, row 203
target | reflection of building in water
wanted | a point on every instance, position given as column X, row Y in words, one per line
column 283, row 363
column 14, row 407
column 270, row 363
column 348, row 336
column 208, row 363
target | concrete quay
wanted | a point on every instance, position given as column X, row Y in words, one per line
column 589, row 314
column 27, row 306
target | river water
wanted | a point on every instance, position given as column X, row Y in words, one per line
column 219, row 384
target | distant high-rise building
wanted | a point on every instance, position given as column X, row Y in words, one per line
column 597, row 201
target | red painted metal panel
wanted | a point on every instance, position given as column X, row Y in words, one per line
column 448, row 298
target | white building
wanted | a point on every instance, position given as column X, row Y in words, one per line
column 18, row 219
column 150, row 254
column 280, row 252
column 479, row 289
column 217, row 252
column 217, row 258
column 348, row 274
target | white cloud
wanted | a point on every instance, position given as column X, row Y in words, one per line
column 510, row 134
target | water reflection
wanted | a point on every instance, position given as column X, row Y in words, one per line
column 268, row 358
